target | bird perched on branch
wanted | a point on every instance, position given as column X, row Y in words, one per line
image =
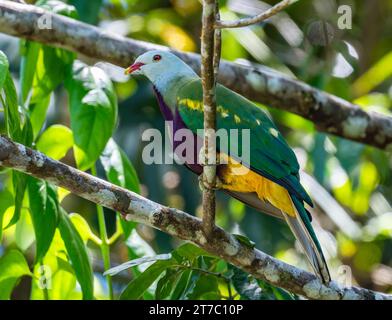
column 270, row 182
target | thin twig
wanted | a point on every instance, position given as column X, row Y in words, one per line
column 209, row 61
column 256, row 19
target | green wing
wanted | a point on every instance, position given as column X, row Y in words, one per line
column 270, row 155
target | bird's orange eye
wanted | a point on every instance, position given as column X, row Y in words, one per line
column 157, row 57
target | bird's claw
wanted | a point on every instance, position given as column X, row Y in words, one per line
column 203, row 184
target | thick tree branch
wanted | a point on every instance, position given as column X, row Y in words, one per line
column 329, row 113
column 176, row 223
column 256, row 19
column 208, row 73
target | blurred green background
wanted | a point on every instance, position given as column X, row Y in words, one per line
column 350, row 183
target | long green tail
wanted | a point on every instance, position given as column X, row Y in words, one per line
column 303, row 231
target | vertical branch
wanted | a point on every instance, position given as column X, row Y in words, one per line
column 217, row 44
column 209, row 67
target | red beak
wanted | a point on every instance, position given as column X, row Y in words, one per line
column 134, row 67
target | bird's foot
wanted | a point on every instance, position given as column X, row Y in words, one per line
column 203, row 183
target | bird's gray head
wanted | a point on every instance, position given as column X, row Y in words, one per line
column 161, row 68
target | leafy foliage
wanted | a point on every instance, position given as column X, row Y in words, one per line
column 93, row 109
column 77, row 254
column 13, row 266
column 139, row 285
column 253, row 289
column 7, row 200
column 20, row 131
column 190, row 273
column 3, row 68
column 43, row 69
column 118, row 168
column 60, row 239
column 44, row 213
column 55, row 141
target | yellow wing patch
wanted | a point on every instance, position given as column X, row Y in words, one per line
column 250, row 181
column 192, row 104
column 198, row 106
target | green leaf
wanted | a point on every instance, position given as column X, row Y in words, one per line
column 43, row 68
column 93, row 108
column 3, row 68
column 181, row 285
column 139, row 285
column 27, row 132
column 190, row 251
column 88, row 11
column 57, row 273
column 52, row 67
column 44, row 213
column 166, row 284
column 245, row 285
column 245, row 240
column 58, row 7
column 14, row 130
column 7, row 200
column 210, row 296
column 37, row 112
column 204, row 284
column 19, row 178
column 201, row 282
column 278, row 293
column 379, row 102
column 190, row 285
column 55, row 141
column 373, row 77
column 63, row 282
column 28, row 65
column 120, row 171
column 83, row 228
column 77, row 253
column 19, row 181
column 11, row 113
column 251, row 289
column 24, row 231
column 136, row 262
column 13, row 265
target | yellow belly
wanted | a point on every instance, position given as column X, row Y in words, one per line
column 236, row 177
